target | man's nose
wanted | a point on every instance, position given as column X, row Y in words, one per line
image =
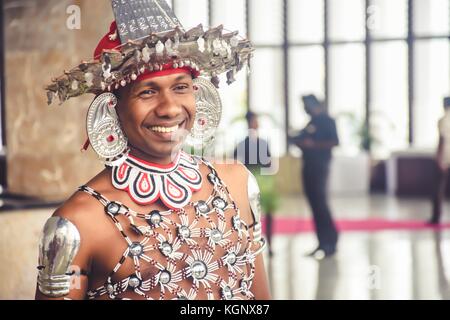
column 168, row 106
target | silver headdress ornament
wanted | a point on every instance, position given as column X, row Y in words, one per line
column 151, row 37
column 207, row 115
column 103, row 128
column 136, row 19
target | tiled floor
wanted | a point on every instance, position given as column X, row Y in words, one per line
column 360, row 207
column 378, row 265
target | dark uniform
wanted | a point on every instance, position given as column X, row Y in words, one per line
column 316, row 166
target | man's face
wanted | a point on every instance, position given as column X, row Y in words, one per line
column 253, row 123
column 155, row 115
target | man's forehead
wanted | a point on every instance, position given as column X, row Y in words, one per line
column 162, row 79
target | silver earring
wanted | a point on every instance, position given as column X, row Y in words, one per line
column 207, row 116
column 103, row 128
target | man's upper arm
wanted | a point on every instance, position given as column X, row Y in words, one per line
column 260, row 282
column 64, row 255
column 251, row 214
column 237, row 178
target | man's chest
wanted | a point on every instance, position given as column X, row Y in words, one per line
column 158, row 248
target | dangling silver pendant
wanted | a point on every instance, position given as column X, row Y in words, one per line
column 103, row 129
column 207, row 116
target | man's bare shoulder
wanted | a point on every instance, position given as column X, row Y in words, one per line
column 82, row 208
column 232, row 170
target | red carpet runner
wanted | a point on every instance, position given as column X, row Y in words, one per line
column 285, row 225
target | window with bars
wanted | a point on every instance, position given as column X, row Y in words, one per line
column 380, row 63
column 383, row 64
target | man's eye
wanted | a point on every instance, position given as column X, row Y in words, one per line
column 147, row 92
column 181, row 87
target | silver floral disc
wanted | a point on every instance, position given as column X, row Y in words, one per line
column 227, row 293
column 113, row 208
column 110, row 288
column 136, row 249
column 219, row 203
column 165, row 277
column 134, row 282
column 166, row 248
column 216, row 235
column 231, row 258
column 184, row 232
column 202, row 207
column 103, row 127
column 155, row 218
column 244, row 286
column 198, row 270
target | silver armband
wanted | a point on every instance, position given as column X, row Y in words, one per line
column 254, row 197
column 58, row 246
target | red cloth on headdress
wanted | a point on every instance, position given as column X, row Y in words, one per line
column 106, row 43
column 112, row 41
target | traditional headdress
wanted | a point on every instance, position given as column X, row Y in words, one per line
column 145, row 38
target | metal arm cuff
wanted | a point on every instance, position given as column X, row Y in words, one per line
column 58, row 246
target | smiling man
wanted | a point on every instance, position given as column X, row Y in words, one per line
column 153, row 110
column 156, row 223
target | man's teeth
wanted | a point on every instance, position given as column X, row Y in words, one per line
column 164, row 129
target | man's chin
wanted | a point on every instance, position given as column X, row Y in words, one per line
column 164, row 151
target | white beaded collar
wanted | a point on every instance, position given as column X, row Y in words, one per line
column 147, row 182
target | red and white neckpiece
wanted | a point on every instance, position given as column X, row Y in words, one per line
column 147, row 182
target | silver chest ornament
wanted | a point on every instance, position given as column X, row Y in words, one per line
column 200, row 265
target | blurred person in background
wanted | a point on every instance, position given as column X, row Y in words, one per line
column 442, row 163
column 255, row 154
column 316, row 141
column 253, row 151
